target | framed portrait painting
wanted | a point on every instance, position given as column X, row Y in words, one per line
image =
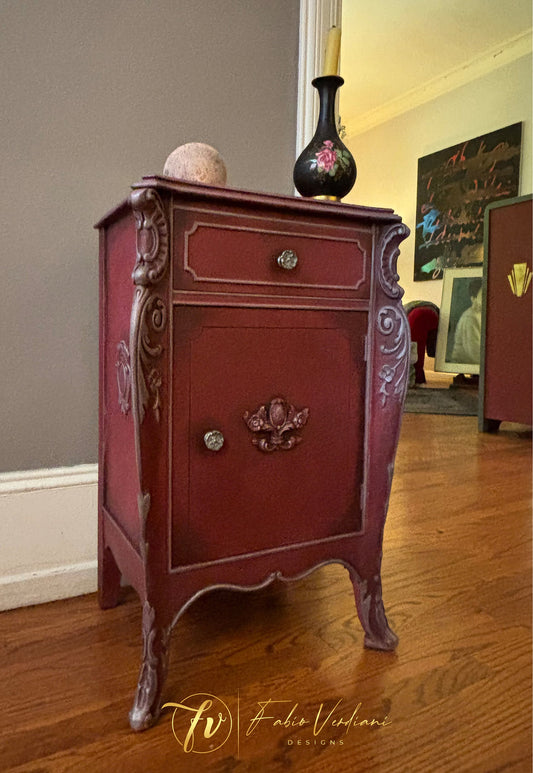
column 459, row 334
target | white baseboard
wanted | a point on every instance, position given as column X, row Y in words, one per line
column 22, row 590
column 48, row 534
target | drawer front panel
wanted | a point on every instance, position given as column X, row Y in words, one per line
column 219, row 251
column 284, row 391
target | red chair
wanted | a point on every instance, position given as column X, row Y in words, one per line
column 423, row 318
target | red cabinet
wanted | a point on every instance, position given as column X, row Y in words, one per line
column 253, row 364
column 506, row 360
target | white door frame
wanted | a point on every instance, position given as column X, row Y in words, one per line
column 316, row 17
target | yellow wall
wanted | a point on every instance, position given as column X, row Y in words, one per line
column 387, row 155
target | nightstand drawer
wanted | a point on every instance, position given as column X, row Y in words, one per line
column 217, row 251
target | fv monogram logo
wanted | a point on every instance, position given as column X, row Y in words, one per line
column 201, row 723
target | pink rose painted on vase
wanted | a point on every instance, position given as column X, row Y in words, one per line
column 326, row 158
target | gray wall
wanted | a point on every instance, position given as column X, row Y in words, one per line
column 95, row 94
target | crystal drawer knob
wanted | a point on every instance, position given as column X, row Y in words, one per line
column 214, row 440
column 287, row 260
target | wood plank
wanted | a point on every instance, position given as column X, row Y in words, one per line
column 457, row 692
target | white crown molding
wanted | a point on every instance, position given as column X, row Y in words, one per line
column 491, row 60
column 316, row 17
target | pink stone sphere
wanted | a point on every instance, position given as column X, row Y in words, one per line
column 196, row 162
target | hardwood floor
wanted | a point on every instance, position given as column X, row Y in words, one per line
column 455, row 697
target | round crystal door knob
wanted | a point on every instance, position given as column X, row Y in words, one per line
column 214, row 440
column 287, row 260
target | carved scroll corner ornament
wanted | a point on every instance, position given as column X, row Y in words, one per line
column 123, row 368
column 276, row 424
column 393, row 361
column 149, row 319
column 388, row 248
column 152, row 237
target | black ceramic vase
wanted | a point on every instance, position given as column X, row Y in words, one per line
column 326, row 168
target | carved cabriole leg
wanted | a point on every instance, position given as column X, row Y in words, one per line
column 388, row 370
column 147, row 703
column 148, row 340
column 378, row 634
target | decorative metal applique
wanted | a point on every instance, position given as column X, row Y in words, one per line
column 276, row 423
column 393, row 372
column 150, row 319
column 149, row 312
column 152, row 237
column 519, row 279
column 148, row 323
column 388, row 247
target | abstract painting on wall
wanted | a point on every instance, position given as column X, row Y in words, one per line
column 454, row 187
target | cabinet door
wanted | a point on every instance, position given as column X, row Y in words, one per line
column 508, row 362
column 263, row 490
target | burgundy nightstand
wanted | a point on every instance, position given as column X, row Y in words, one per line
column 254, row 359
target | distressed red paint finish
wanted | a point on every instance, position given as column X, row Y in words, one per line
column 203, row 335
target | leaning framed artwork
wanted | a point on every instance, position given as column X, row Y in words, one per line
column 459, row 334
column 454, row 186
